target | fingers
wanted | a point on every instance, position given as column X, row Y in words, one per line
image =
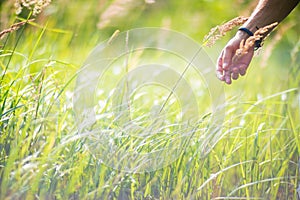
column 242, row 69
column 227, row 57
column 224, row 63
column 220, row 71
column 227, row 77
column 223, row 67
column 228, row 70
column 220, row 75
column 235, row 73
column 232, row 73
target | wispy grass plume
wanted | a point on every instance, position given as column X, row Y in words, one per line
column 219, row 31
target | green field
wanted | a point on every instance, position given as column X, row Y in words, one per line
column 44, row 154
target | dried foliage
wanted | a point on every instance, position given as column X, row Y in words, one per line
column 219, row 31
column 37, row 6
column 13, row 27
column 260, row 34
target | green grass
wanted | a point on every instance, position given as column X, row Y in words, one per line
column 43, row 156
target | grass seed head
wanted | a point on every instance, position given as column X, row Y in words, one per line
column 36, row 6
column 219, row 31
column 260, row 34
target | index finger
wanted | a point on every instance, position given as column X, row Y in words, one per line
column 227, row 58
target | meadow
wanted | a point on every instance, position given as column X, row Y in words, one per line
column 44, row 154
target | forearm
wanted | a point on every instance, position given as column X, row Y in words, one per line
column 268, row 12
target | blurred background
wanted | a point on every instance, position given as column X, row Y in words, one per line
column 81, row 25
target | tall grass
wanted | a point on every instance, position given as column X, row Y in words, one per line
column 42, row 155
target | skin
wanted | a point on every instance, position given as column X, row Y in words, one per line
column 265, row 13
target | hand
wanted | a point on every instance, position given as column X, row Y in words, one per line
column 230, row 66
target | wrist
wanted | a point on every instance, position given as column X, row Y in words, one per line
column 242, row 35
column 245, row 31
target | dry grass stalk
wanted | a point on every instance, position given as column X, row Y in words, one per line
column 219, row 31
column 260, row 34
column 13, row 27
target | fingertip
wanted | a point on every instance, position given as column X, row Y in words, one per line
column 228, row 80
column 242, row 70
column 220, row 76
column 235, row 73
column 235, row 76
